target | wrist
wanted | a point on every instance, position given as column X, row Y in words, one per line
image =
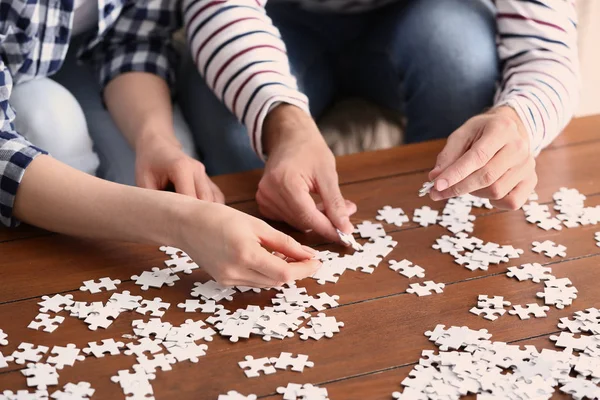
column 153, row 138
column 510, row 113
column 284, row 124
column 175, row 212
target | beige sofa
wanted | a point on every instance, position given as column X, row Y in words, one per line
column 355, row 125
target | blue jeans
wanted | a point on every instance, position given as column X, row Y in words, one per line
column 434, row 61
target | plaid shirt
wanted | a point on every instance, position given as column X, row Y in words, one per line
column 133, row 35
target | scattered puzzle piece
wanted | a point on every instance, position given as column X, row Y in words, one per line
column 549, row 249
column 107, row 346
column 530, row 309
column 349, row 240
column 40, row 375
column 155, row 307
column 533, row 271
column 426, row 189
column 407, row 269
column 297, row 363
column 29, row 353
column 393, row 216
column 426, row 288
column 63, row 356
column 425, row 216
column 253, row 367
column 490, row 314
column 103, row 283
column 233, row 395
column 56, row 303
column 50, row 324
column 207, row 306
column 369, row 230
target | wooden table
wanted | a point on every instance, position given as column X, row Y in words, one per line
column 383, row 335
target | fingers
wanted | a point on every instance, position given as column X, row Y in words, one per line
column 485, row 177
column 480, row 152
column 334, row 203
column 268, row 208
column 304, row 215
column 252, row 278
column 218, row 196
column 518, row 196
column 147, row 181
column 503, row 186
column 456, row 145
column 202, row 183
column 293, row 204
column 351, row 207
column 183, row 179
column 284, row 244
column 281, row 271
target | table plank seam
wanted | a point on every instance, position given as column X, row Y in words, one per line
column 36, row 236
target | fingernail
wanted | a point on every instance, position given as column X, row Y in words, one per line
column 309, row 250
column 441, row 184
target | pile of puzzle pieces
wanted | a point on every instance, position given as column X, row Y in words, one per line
column 468, row 362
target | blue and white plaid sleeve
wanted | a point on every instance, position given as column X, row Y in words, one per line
column 141, row 39
column 15, row 152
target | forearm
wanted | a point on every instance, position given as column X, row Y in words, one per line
column 59, row 198
column 140, row 104
column 243, row 60
column 540, row 77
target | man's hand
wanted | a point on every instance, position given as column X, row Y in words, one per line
column 160, row 161
column 490, row 157
column 300, row 163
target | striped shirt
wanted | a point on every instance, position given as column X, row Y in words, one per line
column 132, row 35
column 243, row 59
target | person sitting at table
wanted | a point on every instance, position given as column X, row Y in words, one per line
column 270, row 70
column 132, row 50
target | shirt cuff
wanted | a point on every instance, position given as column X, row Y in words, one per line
column 18, row 156
column 535, row 140
column 255, row 128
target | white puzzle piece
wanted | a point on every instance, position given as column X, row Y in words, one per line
column 103, row 283
column 407, row 269
column 426, row 288
column 393, row 216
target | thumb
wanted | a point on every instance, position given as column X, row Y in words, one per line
column 334, row 203
column 284, row 244
column 456, row 145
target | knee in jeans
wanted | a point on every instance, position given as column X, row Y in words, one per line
column 461, row 36
column 51, row 118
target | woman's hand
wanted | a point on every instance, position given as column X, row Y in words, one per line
column 238, row 250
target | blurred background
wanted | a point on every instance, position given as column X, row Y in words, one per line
column 354, row 125
column 589, row 54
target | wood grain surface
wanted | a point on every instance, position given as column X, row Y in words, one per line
column 383, row 333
